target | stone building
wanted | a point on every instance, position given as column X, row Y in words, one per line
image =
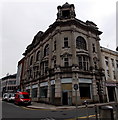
column 19, row 75
column 110, row 62
column 8, row 84
column 67, row 53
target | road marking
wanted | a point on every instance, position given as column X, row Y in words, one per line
column 27, row 108
column 87, row 116
column 33, row 108
column 90, row 116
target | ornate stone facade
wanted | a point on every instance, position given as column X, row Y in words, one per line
column 67, row 53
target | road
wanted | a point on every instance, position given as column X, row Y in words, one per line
column 9, row 110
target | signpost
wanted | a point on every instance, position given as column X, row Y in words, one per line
column 76, row 88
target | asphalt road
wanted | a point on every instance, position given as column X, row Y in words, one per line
column 14, row 112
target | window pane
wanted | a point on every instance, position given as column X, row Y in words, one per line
column 46, row 50
column 34, row 92
column 66, row 63
column 43, row 92
column 65, row 42
column 37, row 56
column 80, row 43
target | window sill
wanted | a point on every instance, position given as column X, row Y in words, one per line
column 65, row 47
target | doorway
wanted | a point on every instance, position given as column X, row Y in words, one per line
column 111, row 93
column 65, row 98
column 53, row 94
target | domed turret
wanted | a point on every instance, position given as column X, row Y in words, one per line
column 66, row 11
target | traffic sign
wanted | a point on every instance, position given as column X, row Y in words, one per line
column 75, row 86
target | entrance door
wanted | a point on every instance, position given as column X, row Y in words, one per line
column 111, row 93
column 65, row 98
column 53, row 93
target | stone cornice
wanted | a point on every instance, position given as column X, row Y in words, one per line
column 88, row 26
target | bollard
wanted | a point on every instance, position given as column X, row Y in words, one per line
column 106, row 112
column 86, row 106
column 96, row 112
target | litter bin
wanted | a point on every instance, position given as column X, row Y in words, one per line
column 106, row 112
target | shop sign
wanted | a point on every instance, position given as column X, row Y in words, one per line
column 110, row 84
column 85, row 80
column 66, row 80
column 35, row 86
column 28, row 87
column 52, row 82
column 44, row 84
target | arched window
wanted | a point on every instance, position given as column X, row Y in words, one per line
column 38, row 56
column 80, row 43
column 46, row 50
column 31, row 60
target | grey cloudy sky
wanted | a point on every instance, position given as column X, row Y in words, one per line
column 22, row 19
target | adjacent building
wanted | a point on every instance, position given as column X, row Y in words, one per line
column 67, row 53
column 110, row 64
column 19, row 81
column 8, row 84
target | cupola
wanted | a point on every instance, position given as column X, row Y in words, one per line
column 66, row 11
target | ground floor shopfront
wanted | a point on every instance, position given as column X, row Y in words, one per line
column 61, row 91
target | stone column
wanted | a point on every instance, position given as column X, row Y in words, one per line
column 104, row 89
column 31, row 90
column 90, row 49
column 73, row 47
column 58, row 90
column 49, row 91
column 38, row 91
column 75, row 80
column 50, row 52
column 59, row 41
column 94, row 90
column 99, row 54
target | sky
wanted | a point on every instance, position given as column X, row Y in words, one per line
column 21, row 20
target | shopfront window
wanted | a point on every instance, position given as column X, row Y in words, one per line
column 85, row 91
column 34, row 92
column 43, row 92
column 28, row 90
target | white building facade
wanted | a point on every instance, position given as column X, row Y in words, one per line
column 8, row 84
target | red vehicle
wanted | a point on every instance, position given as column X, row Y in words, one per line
column 22, row 98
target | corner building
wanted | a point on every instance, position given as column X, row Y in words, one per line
column 67, row 53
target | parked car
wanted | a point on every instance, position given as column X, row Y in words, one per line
column 5, row 97
column 22, row 98
column 11, row 97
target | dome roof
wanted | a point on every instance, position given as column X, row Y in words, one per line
column 66, row 5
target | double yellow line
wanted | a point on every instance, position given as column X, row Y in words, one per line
column 81, row 117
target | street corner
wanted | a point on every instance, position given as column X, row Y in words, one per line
column 32, row 107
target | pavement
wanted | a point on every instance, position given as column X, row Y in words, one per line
column 36, row 105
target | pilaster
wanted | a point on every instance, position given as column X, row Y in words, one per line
column 75, row 80
column 94, row 90
column 58, row 91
